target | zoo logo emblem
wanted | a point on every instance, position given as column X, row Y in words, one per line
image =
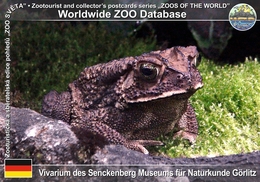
column 242, row 17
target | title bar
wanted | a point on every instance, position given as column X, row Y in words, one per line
column 108, row 11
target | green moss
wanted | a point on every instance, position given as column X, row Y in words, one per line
column 228, row 111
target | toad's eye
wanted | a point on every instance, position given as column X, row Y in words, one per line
column 148, row 71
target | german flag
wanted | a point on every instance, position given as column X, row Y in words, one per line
column 18, row 168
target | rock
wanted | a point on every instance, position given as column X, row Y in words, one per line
column 49, row 141
column 211, row 36
column 117, row 154
column 35, row 136
column 233, row 168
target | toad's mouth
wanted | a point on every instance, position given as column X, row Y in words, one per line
column 176, row 98
column 173, row 94
column 183, row 96
column 165, row 96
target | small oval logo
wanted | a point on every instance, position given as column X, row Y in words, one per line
column 242, row 17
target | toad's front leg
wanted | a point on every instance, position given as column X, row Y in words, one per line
column 114, row 137
column 187, row 126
